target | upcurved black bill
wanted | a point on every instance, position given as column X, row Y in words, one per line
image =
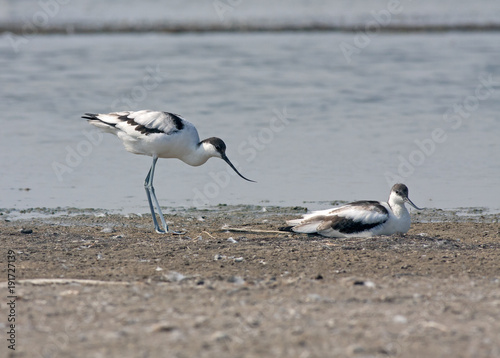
column 226, row 159
column 411, row 203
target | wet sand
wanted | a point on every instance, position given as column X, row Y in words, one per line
column 108, row 286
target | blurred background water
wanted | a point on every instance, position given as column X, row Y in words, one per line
column 313, row 116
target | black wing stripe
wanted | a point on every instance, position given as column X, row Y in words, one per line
column 139, row 127
column 94, row 117
column 177, row 120
column 347, row 226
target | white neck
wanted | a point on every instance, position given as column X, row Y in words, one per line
column 199, row 156
column 400, row 210
column 398, row 206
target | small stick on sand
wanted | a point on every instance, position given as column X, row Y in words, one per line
column 258, row 231
column 66, row 281
column 209, row 234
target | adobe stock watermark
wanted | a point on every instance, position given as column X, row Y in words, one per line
column 59, row 341
column 137, row 94
column 463, row 110
column 363, row 38
column 455, row 115
column 221, row 7
column 250, row 149
column 74, row 155
column 38, row 21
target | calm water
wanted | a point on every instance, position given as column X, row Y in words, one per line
column 298, row 116
column 338, row 12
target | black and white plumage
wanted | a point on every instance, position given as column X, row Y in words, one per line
column 160, row 135
column 360, row 218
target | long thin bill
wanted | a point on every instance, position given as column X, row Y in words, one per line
column 226, row 159
column 411, row 203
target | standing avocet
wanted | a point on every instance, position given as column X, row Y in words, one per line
column 160, row 135
column 360, row 218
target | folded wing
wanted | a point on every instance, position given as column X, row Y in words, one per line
column 350, row 219
column 138, row 122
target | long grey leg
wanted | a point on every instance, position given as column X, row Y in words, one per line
column 150, row 192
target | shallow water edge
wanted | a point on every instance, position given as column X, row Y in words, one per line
column 83, row 216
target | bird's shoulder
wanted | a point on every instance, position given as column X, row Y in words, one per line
column 365, row 210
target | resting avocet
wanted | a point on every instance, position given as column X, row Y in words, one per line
column 360, row 218
column 160, row 135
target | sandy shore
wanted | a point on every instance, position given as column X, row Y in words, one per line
column 95, row 285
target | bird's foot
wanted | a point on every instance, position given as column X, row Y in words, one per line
column 167, row 231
